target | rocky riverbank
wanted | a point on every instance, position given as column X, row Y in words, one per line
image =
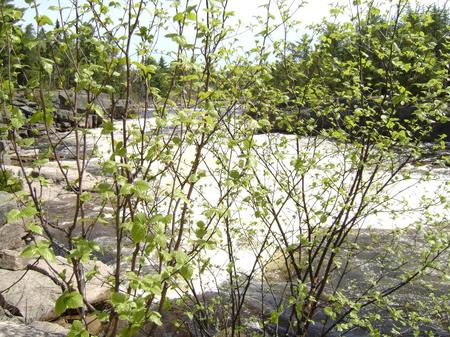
column 28, row 293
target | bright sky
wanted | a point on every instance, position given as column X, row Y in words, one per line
column 245, row 11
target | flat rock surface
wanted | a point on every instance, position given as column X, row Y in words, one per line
column 13, row 329
column 33, row 295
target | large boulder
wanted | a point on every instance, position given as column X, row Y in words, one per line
column 119, row 108
column 15, row 329
column 7, row 203
column 67, row 100
column 64, row 116
column 32, row 294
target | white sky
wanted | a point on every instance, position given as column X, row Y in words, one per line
column 245, row 11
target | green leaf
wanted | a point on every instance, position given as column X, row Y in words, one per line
column 68, row 300
column 138, row 231
column 178, row 17
column 186, row 271
column 105, row 189
column 98, row 110
column 155, row 317
column 140, row 187
column 118, row 298
column 329, row 312
column 14, row 215
column 35, row 228
column 47, row 64
column 235, row 175
column 180, row 257
column 191, row 16
column 77, row 330
column 85, row 196
column 29, row 211
column 108, row 128
column 84, row 248
column 38, row 116
column 193, row 178
column 43, row 20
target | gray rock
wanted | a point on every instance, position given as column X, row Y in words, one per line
column 5, row 315
column 64, row 99
column 32, row 294
column 27, row 110
column 120, row 106
column 7, row 203
column 18, row 103
column 11, row 260
column 11, row 236
column 13, row 329
column 5, row 158
column 49, row 327
column 64, row 116
column 4, row 145
column 54, row 174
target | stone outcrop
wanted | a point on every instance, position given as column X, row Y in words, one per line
column 70, row 110
column 52, row 172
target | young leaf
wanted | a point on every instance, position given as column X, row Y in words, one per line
column 68, row 300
